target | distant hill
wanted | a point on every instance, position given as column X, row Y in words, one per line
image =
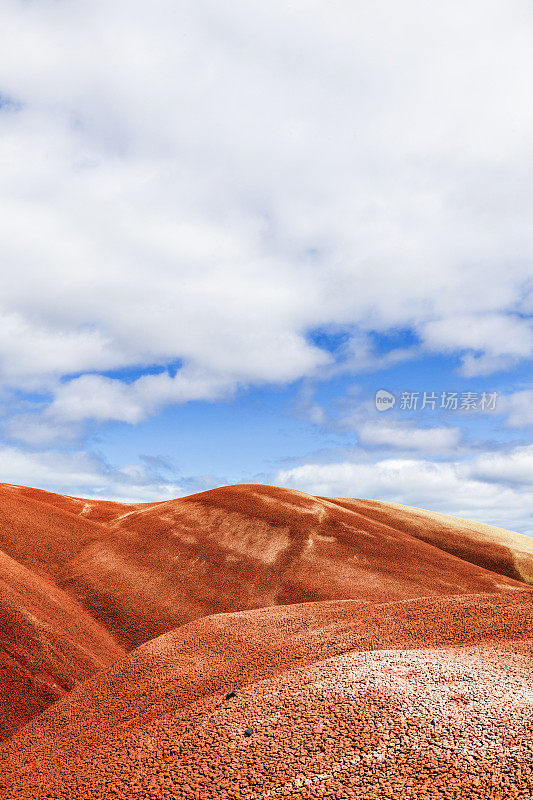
column 142, row 570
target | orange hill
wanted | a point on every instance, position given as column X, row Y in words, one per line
column 48, row 644
column 425, row 698
column 375, row 650
column 142, row 570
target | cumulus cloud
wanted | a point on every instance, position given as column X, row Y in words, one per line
column 41, row 429
column 100, row 398
column 519, row 408
column 81, row 473
column 202, row 185
column 189, row 192
column 495, row 490
column 436, row 439
column 492, row 341
column 515, row 467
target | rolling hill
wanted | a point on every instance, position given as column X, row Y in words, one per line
column 48, row 644
column 143, row 570
column 335, row 699
column 280, row 645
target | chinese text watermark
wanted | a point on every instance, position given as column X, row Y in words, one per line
column 448, row 401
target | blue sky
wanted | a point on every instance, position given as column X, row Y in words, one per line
column 224, row 227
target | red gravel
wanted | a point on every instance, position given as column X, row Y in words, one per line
column 423, row 699
column 401, row 669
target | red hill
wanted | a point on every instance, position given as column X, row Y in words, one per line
column 424, row 698
column 142, row 570
column 369, row 650
column 48, row 644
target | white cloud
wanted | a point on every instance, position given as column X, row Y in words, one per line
column 496, row 341
column 183, row 182
column 519, row 408
column 30, row 348
column 100, row 398
column 307, row 408
column 359, row 354
column 438, row 439
column 477, row 490
column 70, row 470
column 515, row 467
column 41, row 430
column 81, row 473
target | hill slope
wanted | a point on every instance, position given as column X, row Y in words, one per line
column 419, row 698
column 142, row 570
column 375, row 650
column 48, row 644
column 496, row 549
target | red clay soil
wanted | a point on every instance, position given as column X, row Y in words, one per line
column 422, row 698
column 142, row 570
column 95, row 510
column 48, row 644
column 402, row 669
column 494, row 548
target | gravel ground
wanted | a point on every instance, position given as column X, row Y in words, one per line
column 331, row 708
column 450, row 723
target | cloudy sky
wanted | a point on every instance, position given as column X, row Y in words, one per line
column 225, row 226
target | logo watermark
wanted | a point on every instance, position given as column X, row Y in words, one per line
column 448, row 401
column 384, row 400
